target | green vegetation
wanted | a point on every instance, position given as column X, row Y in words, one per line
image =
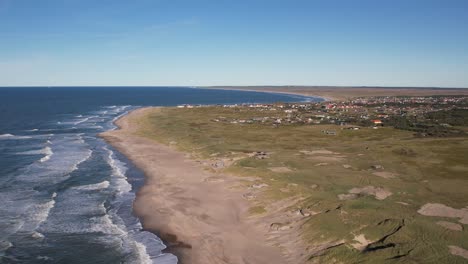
column 257, row 210
column 302, row 162
column 454, row 117
column 438, row 124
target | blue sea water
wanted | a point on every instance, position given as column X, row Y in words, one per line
column 65, row 195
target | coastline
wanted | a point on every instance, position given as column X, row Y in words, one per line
column 273, row 91
column 339, row 93
column 201, row 216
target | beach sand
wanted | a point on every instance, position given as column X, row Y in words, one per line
column 201, row 221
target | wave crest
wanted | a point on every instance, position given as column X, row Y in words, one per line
column 10, row 136
column 92, row 187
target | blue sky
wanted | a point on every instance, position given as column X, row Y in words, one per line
column 220, row 42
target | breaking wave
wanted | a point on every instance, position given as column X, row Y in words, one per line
column 46, row 151
column 10, row 136
column 94, row 187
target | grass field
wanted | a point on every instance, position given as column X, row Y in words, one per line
column 357, row 193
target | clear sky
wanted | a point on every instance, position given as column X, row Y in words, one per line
column 238, row 42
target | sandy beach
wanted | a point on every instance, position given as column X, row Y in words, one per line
column 201, row 220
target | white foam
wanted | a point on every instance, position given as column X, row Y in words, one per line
column 37, row 214
column 44, row 159
column 96, row 127
column 88, row 155
column 43, row 210
column 37, row 235
column 93, row 187
column 43, row 136
column 4, row 245
column 81, row 121
column 118, row 173
column 104, row 224
column 34, row 152
column 10, row 136
column 68, row 153
column 115, row 119
column 143, row 256
column 46, row 258
column 48, row 153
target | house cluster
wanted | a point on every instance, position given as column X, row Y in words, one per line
column 409, row 100
column 370, row 111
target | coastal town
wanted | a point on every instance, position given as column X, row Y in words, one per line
column 425, row 115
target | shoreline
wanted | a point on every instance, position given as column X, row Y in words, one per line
column 324, row 97
column 201, row 216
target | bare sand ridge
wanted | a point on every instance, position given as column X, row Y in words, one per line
column 378, row 192
column 201, row 220
column 441, row 210
column 450, row 225
column 458, row 251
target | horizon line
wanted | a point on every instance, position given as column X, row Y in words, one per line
column 234, row 86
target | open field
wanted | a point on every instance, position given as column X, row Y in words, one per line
column 345, row 93
column 367, row 196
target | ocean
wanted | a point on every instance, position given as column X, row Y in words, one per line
column 66, row 196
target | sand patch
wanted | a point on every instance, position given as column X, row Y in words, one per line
column 441, row 210
column 280, row 169
column 321, row 164
column 385, row 174
column 347, row 196
column 259, row 186
column 450, row 225
column 220, row 163
column 378, row 192
column 458, row 251
column 326, row 158
column 280, row 226
column 249, row 196
column 323, row 155
column 213, row 179
column 361, row 242
column 318, row 152
column 289, row 187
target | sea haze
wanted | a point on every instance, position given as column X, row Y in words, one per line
column 66, row 195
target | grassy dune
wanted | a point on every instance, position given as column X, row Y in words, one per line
column 345, row 210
